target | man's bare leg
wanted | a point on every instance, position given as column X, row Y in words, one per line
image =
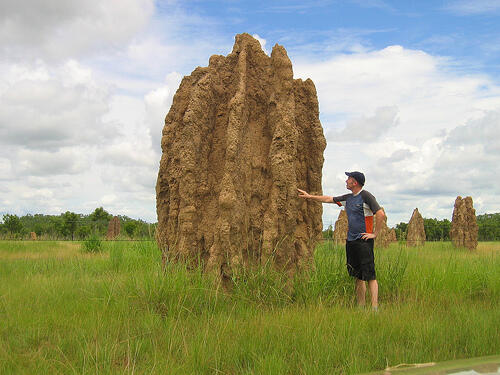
column 373, row 286
column 360, row 292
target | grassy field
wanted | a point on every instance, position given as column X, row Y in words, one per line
column 64, row 311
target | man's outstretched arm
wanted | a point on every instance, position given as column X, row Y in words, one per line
column 319, row 198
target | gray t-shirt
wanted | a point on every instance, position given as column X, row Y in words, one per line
column 360, row 209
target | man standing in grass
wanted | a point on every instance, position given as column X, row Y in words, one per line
column 361, row 207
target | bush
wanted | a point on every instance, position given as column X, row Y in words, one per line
column 92, row 245
column 83, row 232
column 130, row 228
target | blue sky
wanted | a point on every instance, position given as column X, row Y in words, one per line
column 465, row 30
column 409, row 92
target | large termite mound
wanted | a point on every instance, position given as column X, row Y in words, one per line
column 464, row 228
column 416, row 232
column 240, row 137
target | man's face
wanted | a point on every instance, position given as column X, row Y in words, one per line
column 350, row 183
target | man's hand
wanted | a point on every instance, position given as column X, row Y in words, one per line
column 367, row 236
column 304, row 194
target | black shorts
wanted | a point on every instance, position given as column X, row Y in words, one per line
column 360, row 259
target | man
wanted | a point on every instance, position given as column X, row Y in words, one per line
column 361, row 207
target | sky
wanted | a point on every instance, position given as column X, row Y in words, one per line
column 409, row 94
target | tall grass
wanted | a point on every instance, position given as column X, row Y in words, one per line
column 64, row 311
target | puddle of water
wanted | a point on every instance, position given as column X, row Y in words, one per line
column 472, row 366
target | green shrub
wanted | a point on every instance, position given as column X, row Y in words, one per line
column 92, row 245
column 83, row 232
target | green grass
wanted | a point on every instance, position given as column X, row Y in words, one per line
column 65, row 311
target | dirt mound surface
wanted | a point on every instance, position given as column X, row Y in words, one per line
column 241, row 136
column 113, row 228
column 392, row 235
column 341, row 227
column 464, row 228
column 383, row 238
column 416, row 232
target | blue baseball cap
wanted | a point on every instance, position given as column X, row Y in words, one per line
column 358, row 176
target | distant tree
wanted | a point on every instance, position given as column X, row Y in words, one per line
column 12, row 223
column 83, row 232
column 147, row 230
column 38, row 229
column 328, row 233
column 100, row 214
column 130, row 228
column 70, row 223
column 67, row 225
column 56, row 226
column 401, row 229
column 40, row 224
column 142, row 229
column 100, row 219
column 437, row 230
column 489, row 227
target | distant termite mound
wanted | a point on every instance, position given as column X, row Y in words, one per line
column 241, row 136
column 464, row 228
column 392, row 235
column 340, row 231
column 113, row 228
column 416, row 233
column 383, row 238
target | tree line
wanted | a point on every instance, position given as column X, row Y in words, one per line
column 439, row 230
column 435, row 230
column 72, row 226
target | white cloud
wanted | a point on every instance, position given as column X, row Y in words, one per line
column 473, row 7
column 128, row 153
column 421, row 133
column 5, row 171
column 322, row 45
column 418, row 84
column 366, row 129
column 90, row 132
column 262, row 42
column 301, row 7
column 54, row 29
column 85, row 87
column 373, row 4
column 469, row 158
column 67, row 144
column 158, row 102
column 109, row 199
column 46, row 108
column 478, row 132
column 177, row 39
column 45, row 163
